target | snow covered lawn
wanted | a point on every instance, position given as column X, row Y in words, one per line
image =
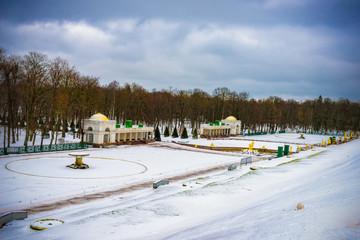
column 241, row 204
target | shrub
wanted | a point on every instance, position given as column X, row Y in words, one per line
column 184, row 134
column 166, row 132
column 195, row 135
column 157, row 134
column 175, row 133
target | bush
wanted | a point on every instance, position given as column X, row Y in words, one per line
column 184, row 134
column 157, row 134
column 166, row 132
column 175, row 133
column 195, row 135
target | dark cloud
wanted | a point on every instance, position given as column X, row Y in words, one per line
column 333, row 12
column 293, row 49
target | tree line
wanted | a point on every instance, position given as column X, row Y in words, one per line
column 43, row 96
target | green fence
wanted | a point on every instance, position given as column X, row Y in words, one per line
column 44, row 148
column 320, row 133
column 255, row 133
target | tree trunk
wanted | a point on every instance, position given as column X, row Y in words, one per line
column 42, row 136
column 4, row 136
column 63, row 132
column 56, row 127
column 8, row 133
column 27, row 133
column 52, row 136
column 34, row 138
column 13, row 130
column 17, row 133
column 56, row 135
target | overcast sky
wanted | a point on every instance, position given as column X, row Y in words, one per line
column 297, row 49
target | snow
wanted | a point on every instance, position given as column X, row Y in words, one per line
column 239, row 204
column 69, row 138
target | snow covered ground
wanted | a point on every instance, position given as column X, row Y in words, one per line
column 240, row 204
column 69, row 138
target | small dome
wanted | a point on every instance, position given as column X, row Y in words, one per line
column 99, row 117
column 231, row 118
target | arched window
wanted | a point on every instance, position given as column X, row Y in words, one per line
column 89, row 129
column 107, row 136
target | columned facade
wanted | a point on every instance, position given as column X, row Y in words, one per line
column 225, row 127
column 100, row 130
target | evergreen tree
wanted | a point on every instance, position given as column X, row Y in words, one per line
column 195, row 135
column 72, row 126
column 184, row 134
column 157, row 134
column 175, row 133
column 166, row 132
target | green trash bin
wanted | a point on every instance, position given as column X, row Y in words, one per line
column 280, row 152
column 286, row 150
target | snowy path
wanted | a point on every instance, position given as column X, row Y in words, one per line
column 327, row 184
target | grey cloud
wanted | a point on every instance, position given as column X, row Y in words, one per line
column 281, row 60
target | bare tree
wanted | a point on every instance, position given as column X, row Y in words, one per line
column 34, row 81
column 11, row 73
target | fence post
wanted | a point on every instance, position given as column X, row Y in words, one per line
column 286, row 150
column 280, row 152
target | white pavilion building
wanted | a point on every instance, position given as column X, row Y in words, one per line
column 100, row 130
column 225, row 127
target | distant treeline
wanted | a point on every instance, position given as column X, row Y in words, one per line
column 49, row 94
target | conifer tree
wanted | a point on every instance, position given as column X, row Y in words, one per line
column 184, row 134
column 72, row 126
column 157, row 134
column 166, row 132
column 175, row 133
column 195, row 135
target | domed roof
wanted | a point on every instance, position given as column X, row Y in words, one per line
column 99, row 117
column 231, row 118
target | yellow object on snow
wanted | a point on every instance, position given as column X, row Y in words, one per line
column 196, row 146
column 212, row 145
column 251, row 145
